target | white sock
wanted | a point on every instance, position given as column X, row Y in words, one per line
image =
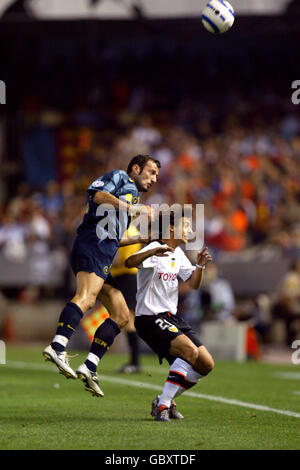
column 60, row 339
column 168, row 394
column 93, row 358
column 171, row 388
column 180, row 366
column 192, row 375
column 179, row 392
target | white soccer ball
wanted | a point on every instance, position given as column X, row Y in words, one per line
column 218, row 16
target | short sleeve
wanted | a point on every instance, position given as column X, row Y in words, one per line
column 150, row 262
column 107, row 183
column 186, row 267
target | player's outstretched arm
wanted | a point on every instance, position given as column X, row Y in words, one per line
column 137, row 259
column 203, row 257
column 101, row 197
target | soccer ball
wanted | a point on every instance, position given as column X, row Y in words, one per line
column 218, row 16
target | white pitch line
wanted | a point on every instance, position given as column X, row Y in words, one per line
column 287, row 375
column 135, row 383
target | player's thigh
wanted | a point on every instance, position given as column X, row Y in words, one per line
column 88, row 286
column 182, row 346
column 115, row 303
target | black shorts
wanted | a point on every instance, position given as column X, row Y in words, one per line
column 126, row 283
column 93, row 256
column 159, row 330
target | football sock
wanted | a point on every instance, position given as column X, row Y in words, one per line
column 192, row 376
column 133, row 341
column 92, row 361
column 103, row 339
column 67, row 324
column 181, row 377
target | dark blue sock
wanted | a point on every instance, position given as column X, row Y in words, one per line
column 103, row 339
column 133, row 341
column 68, row 322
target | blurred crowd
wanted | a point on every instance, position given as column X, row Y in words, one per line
column 234, row 147
column 247, row 177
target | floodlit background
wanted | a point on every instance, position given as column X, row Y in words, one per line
column 89, row 84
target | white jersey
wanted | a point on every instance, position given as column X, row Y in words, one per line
column 157, row 283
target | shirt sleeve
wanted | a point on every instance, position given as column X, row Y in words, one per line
column 107, row 183
column 186, row 268
column 150, row 262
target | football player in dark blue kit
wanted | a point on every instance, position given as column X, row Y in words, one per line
column 113, row 199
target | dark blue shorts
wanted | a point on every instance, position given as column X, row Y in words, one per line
column 92, row 256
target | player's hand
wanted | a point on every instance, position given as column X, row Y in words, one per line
column 162, row 251
column 203, row 256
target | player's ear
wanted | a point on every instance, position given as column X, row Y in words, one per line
column 136, row 168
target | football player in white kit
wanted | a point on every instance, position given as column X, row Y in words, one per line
column 159, row 264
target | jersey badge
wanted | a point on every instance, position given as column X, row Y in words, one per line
column 98, row 184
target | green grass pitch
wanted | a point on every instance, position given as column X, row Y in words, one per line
column 41, row 409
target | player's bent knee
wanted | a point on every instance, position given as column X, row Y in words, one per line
column 205, row 366
column 208, row 367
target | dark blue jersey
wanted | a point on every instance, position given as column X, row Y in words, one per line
column 102, row 222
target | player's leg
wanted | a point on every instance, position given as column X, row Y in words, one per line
column 133, row 343
column 104, row 336
column 191, row 364
column 127, row 284
column 113, row 299
column 198, row 356
column 190, row 361
column 182, row 376
column 88, row 285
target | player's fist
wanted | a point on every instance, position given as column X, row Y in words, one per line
column 203, row 257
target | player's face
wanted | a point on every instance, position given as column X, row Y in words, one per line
column 184, row 232
column 147, row 177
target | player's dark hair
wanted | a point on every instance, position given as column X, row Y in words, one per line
column 141, row 161
column 173, row 217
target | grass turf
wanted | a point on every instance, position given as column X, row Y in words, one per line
column 40, row 409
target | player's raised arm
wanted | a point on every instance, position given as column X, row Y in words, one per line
column 102, row 197
column 203, row 257
column 137, row 259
